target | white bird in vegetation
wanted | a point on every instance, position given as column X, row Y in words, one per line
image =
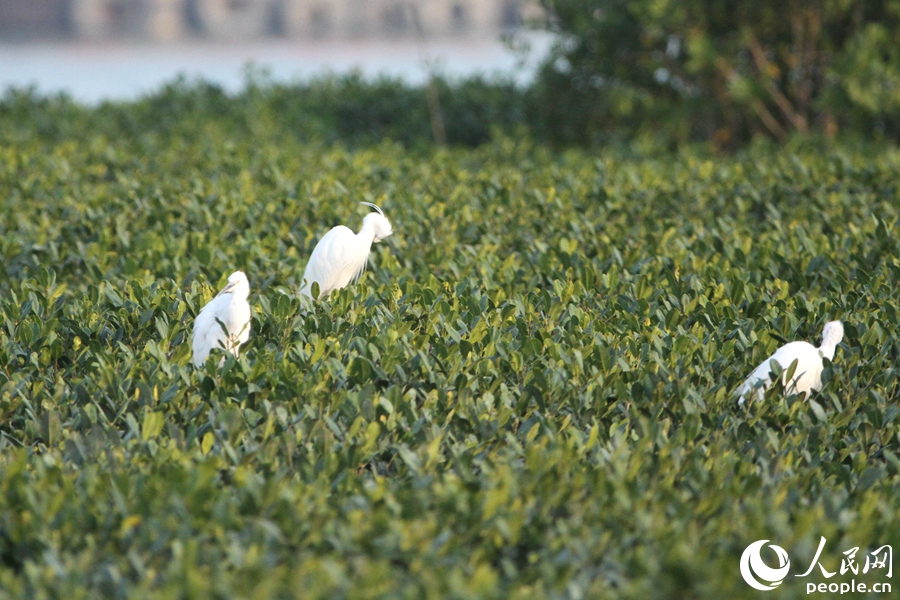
column 341, row 255
column 808, row 374
column 224, row 322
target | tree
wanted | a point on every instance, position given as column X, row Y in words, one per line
column 725, row 70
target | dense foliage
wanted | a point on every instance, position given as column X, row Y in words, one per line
column 347, row 108
column 723, row 70
column 527, row 395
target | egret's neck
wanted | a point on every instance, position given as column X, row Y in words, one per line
column 827, row 349
column 241, row 293
column 366, row 233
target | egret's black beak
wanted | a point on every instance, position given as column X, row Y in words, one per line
column 226, row 290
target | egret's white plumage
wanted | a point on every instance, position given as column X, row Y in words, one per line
column 808, row 374
column 340, row 256
column 228, row 308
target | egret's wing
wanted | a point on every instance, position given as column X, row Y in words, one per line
column 804, row 353
column 335, row 261
column 208, row 332
column 809, row 365
column 759, row 379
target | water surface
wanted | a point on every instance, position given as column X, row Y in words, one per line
column 94, row 71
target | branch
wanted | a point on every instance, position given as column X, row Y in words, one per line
column 783, row 102
column 806, row 25
column 767, row 118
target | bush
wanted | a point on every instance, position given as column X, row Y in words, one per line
column 528, row 394
column 349, row 109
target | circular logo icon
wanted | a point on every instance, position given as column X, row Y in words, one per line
column 753, row 568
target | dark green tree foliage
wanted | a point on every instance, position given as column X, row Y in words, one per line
column 719, row 70
column 348, row 108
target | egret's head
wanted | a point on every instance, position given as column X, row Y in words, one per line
column 237, row 284
column 833, row 333
column 379, row 223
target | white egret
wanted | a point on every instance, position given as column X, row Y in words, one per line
column 808, row 374
column 228, row 310
column 341, row 255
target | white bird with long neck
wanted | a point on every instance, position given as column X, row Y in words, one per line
column 808, row 374
column 341, row 255
column 224, row 322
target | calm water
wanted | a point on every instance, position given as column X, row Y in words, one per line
column 94, row 71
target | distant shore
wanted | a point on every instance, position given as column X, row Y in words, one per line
column 92, row 72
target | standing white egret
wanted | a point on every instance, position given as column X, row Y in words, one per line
column 341, row 255
column 808, row 374
column 229, row 309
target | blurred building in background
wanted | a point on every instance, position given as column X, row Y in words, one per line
column 165, row 20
